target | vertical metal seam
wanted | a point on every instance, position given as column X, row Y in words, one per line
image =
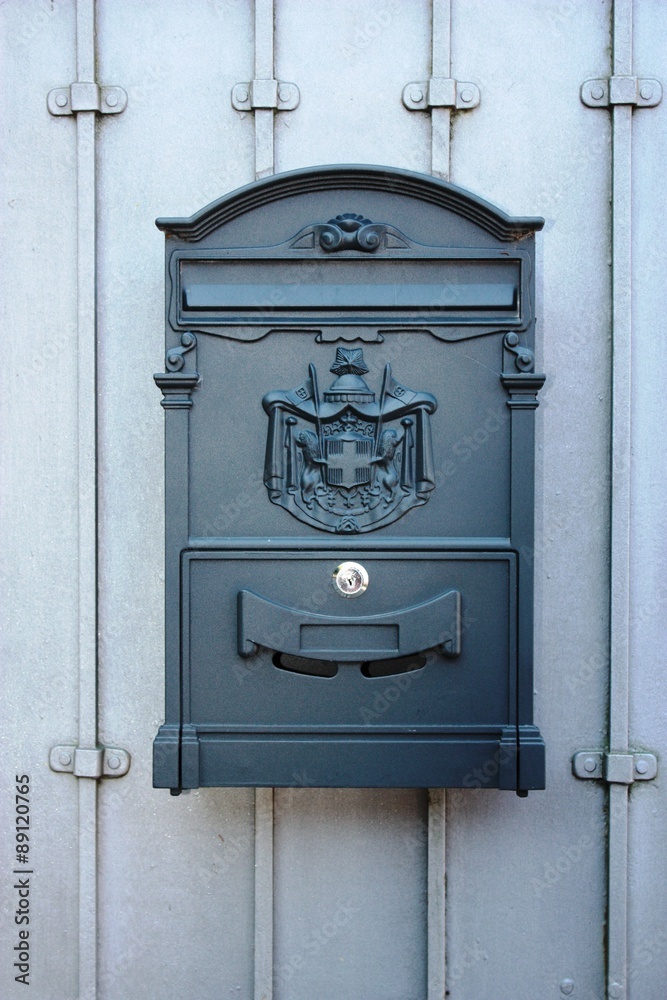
column 441, row 49
column 436, row 913
column 263, row 893
column 621, row 431
column 264, row 70
column 441, row 19
column 87, row 499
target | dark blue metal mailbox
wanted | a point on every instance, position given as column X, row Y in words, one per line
column 349, row 391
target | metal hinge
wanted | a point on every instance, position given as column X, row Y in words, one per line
column 606, row 93
column 441, row 92
column 86, row 97
column 615, row 768
column 268, row 94
column 95, row 762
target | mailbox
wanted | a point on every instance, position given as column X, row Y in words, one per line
column 349, row 390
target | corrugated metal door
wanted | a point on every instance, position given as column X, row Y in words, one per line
column 310, row 894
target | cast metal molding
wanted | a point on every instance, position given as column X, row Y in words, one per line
column 524, row 359
column 441, row 92
column 90, row 762
column 83, row 96
column 273, row 95
column 621, row 89
column 615, row 768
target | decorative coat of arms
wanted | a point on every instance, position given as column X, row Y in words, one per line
column 345, row 462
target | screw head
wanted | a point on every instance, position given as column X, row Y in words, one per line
column 283, row 94
column 113, row 762
column 467, row 95
column 416, row 95
column 112, row 100
column 65, row 759
column 567, row 987
column 615, row 991
column 61, row 101
column 646, row 92
column 242, row 95
column 641, row 767
column 597, row 92
column 590, row 764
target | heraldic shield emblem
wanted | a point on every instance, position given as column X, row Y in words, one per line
column 346, row 462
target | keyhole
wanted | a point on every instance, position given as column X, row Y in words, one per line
column 350, row 579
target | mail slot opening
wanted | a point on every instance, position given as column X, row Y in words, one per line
column 387, row 668
column 305, row 665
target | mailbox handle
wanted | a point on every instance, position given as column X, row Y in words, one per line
column 350, row 639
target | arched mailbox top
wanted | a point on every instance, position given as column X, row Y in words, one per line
column 352, row 177
column 360, row 249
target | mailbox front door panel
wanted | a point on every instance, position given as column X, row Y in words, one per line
column 429, row 642
column 349, row 464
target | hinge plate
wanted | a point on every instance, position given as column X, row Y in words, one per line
column 615, row 768
column 604, row 93
column 267, row 94
column 86, row 97
column 441, row 92
column 91, row 762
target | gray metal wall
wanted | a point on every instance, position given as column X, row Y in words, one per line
column 307, row 893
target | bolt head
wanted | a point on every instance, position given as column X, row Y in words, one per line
column 590, row 764
column 283, row 94
column 597, row 92
column 641, row 767
column 112, row 100
column 467, row 95
column 567, row 987
column 65, row 759
column 113, row 762
column 61, row 101
column 416, row 95
column 242, row 95
column 646, row 92
column 615, row 991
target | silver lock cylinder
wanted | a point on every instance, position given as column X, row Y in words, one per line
column 350, row 579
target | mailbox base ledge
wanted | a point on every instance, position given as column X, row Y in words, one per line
column 373, row 761
column 166, row 757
